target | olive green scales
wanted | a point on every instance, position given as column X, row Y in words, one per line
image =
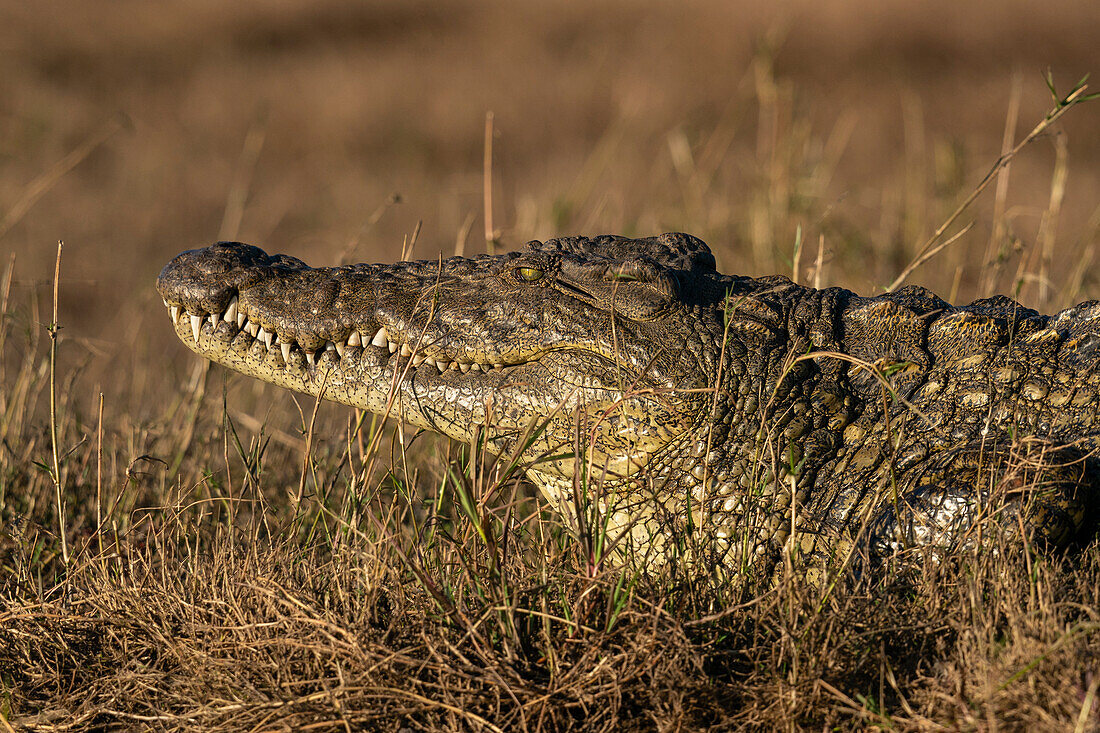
column 756, row 414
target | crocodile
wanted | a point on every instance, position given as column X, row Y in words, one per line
column 705, row 417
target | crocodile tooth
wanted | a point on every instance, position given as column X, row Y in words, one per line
column 165, row 301
column 196, row 324
column 392, row 346
column 241, row 318
column 265, row 336
column 231, row 311
column 311, row 357
column 476, row 367
column 174, row 311
column 464, row 367
column 498, row 366
column 441, row 365
column 405, row 350
column 454, row 366
column 329, row 346
column 354, row 339
column 213, row 318
column 381, row 339
column 340, row 347
column 418, row 359
column 252, row 328
column 286, row 351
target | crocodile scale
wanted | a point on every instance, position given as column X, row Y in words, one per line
column 743, row 417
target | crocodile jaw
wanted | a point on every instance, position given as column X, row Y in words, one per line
column 368, row 342
column 360, row 376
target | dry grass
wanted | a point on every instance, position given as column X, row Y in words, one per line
column 239, row 562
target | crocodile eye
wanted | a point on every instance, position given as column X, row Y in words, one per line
column 529, row 274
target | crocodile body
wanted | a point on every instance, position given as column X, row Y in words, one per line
column 756, row 415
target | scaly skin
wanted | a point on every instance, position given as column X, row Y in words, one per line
column 754, row 415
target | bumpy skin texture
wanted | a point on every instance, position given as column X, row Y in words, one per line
column 755, row 415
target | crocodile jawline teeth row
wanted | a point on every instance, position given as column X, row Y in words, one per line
column 239, row 321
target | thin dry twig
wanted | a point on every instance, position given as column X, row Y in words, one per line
column 1075, row 97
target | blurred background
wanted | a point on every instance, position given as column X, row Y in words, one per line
column 332, row 130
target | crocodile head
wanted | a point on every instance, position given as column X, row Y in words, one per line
column 571, row 337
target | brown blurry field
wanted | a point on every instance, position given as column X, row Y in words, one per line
column 241, row 559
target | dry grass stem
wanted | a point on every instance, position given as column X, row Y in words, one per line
column 54, row 328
